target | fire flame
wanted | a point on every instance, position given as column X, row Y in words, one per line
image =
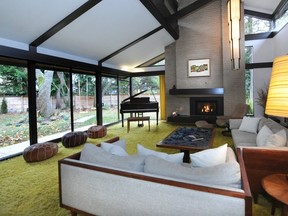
column 207, row 109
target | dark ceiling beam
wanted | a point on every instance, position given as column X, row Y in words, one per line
column 130, row 44
column 281, row 8
column 64, row 22
column 151, row 7
column 189, row 9
column 258, row 14
column 13, row 53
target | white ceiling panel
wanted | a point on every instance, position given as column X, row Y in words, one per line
column 99, row 32
column 25, row 20
column 264, row 6
column 142, row 51
column 104, row 29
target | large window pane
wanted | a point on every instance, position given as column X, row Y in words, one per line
column 84, row 101
column 53, row 104
column 254, row 25
column 151, row 84
column 281, row 21
column 14, row 118
column 249, row 79
column 109, row 100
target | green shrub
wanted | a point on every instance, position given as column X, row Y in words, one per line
column 4, row 108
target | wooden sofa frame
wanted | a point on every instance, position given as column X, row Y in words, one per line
column 246, row 196
column 260, row 163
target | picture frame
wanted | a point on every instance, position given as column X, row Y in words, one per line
column 199, row 68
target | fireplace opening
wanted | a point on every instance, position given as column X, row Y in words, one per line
column 206, row 108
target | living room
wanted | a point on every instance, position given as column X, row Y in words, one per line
column 200, row 37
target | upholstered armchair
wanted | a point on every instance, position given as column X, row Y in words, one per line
column 239, row 112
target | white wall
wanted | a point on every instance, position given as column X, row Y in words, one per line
column 265, row 50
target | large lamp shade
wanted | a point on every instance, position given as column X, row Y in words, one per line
column 277, row 99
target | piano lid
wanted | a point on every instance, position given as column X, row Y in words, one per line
column 134, row 96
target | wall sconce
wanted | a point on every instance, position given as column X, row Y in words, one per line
column 277, row 99
column 234, row 16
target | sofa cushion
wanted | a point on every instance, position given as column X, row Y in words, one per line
column 273, row 126
column 249, row 124
column 226, row 174
column 95, row 154
column 241, row 138
column 267, row 138
column 175, row 158
column 209, row 157
column 115, row 148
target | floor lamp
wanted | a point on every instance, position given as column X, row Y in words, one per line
column 277, row 99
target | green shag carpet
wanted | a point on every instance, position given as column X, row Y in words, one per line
column 32, row 188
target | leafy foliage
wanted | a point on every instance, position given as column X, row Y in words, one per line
column 262, row 97
column 4, row 108
column 13, row 80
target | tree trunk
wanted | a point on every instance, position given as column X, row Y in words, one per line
column 45, row 104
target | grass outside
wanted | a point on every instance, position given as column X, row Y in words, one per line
column 15, row 127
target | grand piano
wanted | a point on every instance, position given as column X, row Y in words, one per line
column 134, row 105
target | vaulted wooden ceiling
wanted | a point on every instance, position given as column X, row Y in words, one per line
column 120, row 34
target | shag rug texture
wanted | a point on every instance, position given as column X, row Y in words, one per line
column 32, row 188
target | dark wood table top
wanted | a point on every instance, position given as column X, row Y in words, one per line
column 276, row 185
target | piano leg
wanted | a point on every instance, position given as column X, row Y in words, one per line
column 122, row 116
column 157, row 117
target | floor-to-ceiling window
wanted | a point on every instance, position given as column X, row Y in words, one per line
column 14, row 119
column 84, row 100
column 109, row 99
column 53, row 103
column 151, row 85
column 249, row 79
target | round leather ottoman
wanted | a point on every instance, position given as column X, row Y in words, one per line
column 73, row 139
column 97, row 131
column 40, row 151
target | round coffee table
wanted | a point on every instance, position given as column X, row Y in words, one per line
column 276, row 185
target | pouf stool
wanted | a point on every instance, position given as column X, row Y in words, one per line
column 40, row 151
column 73, row 139
column 97, row 131
column 203, row 124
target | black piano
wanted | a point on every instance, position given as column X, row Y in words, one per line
column 134, row 105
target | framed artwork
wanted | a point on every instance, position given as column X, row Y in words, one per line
column 199, row 68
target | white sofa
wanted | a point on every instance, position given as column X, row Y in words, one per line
column 248, row 137
column 261, row 158
column 97, row 189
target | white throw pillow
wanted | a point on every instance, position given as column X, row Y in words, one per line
column 175, row 158
column 209, row 157
column 227, row 174
column 263, row 135
column 267, row 138
column 95, row 154
column 115, row 148
column 277, row 140
column 249, row 124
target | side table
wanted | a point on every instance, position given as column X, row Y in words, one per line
column 276, row 185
